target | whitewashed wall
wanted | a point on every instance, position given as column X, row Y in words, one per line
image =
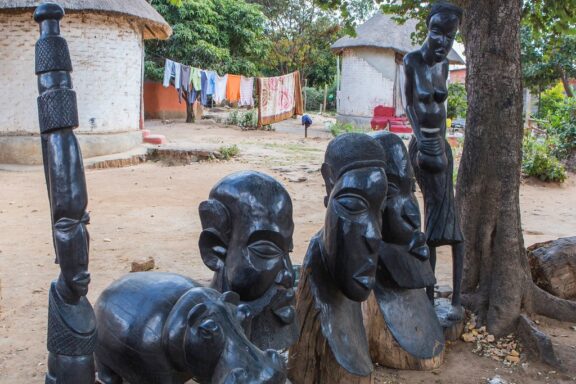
column 367, row 81
column 107, row 59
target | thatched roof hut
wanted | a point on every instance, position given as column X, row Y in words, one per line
column 381, row 31
column 155, row 27
column 372, row 72
column 106, row 40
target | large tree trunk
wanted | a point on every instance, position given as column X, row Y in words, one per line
column 497, row 283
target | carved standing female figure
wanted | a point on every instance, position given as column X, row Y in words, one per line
column 426, row 92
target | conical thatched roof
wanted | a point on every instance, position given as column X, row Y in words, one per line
column 383, row 32
column 154, row 25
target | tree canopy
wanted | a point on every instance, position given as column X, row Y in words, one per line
column 223, row 35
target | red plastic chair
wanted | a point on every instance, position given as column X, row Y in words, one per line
column 382, row 116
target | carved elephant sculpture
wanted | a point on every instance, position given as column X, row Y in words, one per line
column 163, row 328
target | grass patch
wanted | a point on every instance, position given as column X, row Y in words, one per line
column 229, row 151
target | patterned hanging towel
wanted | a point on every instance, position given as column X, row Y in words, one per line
column 246, row 92
column 279, row 98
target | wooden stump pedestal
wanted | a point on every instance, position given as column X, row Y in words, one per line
column 311, row 360
column 384, row 348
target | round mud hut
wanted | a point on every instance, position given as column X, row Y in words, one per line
column 371, row 69
column 106, row 41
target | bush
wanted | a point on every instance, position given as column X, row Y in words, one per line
column 232, row 118
column 152, row 71
column 314, row 98
column 248, row 120
column 339, row 128
column 561, row 124
column 229, row 151
column 549, row 101
column 457, row 101
column 538, row 160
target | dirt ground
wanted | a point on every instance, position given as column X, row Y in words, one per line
column 150, row 210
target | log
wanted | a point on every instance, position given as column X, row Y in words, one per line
column 311, row 360
column 385, row 349
column 553, row 266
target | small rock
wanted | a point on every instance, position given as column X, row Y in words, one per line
column 573, row 327
column 514, row 353
column 143, row 266
column 107, row 240
column 468, row 337
column 497, row 380
column 490, row 338
column 513, row 359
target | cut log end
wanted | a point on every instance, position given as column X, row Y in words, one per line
column 311, row 360
column 385, row 350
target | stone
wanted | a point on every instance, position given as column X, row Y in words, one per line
column 143, row 266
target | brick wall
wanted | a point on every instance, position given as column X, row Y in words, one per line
column 367, row 81
column 107, row 59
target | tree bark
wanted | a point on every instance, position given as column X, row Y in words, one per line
column 566, row 83
column 497, row 283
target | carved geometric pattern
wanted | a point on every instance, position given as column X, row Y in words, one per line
column 57, row 109
column 52, row 55
column 64, row 341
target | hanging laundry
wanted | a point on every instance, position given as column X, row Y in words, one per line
column 220, row 88
column 211, row 76
column 279, row 98
column 233, row 88
column 195, row 77
column 204, row 91
column 185, row 82
column 246, row 92
column 171, row 70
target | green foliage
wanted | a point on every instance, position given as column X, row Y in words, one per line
column 339, row 128
column 457, row 101
column 314, row 98
column 224, row 35
column 549, row 100
column 561, row 124
column 233, row 118
column 301, row 33
column 153, row 71
column 547, row 58
column 538, row 160
column 229, row 151
column 248, row 120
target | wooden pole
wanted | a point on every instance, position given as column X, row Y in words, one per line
column 325, row 96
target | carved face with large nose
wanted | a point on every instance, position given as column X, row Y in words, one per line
column 356, row 185
column 247, row 235
column 400, row 214
column 442, row 29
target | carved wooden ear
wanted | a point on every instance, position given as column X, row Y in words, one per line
column 326, row 171
column 212, row 249
column 195, row 313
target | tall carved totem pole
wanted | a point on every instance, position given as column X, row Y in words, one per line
column 71, row 320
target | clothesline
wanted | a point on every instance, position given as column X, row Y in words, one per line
column 194, row 82
column 279, row 97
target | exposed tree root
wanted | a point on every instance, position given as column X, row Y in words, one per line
column 536, row 342
column 546, row 304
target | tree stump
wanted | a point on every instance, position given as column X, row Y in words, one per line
column 385, row 349
column 311, row 360
column 553, row 266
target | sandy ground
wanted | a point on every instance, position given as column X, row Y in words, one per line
column 151, row 210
